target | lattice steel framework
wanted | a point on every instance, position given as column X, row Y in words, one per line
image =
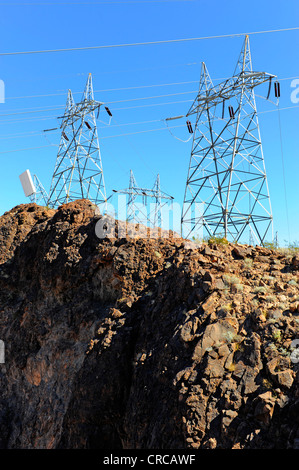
column 227, row 175
column 78, row 172
column 137, row 207
column 40, row 195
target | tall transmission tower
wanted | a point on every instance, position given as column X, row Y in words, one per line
column 227, row 175
column 78, row 171
column 137, row 212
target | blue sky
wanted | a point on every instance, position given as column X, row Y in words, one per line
column 173, row 67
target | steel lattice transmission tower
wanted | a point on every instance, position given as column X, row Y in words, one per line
column 40, row 194
column 78, row 172
column 227, row 176
column 137, row 212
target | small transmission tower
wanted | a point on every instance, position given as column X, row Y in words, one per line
column 78, row 172
column 138, row 212
column 40, row 195
column 227, row 176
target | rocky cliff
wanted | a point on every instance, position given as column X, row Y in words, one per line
column 143, row 343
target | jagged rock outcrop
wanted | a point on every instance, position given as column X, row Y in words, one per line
column 143, row 343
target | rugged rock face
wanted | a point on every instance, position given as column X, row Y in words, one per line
column 143, row 343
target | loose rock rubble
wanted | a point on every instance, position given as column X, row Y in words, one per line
column 138, row 342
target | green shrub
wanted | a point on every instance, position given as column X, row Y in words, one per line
column 260, row 290
column 270, row 298
column 270, row 245
column 276, row 335
column 217, row 240
column 247, row 263
column 230, row 279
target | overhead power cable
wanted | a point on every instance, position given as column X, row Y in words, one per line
column 31, row 112
column 45, row 118
column 168, row 41
column 105, row 90
column 40, row 132
column 50, row 108
column 146, row 130
column 283, row 175
column 107, row 2
column 30, row 148
column 123, row 88
column 39, row 110
column 42, row 118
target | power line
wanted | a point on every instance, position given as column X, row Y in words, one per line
column 42, row 132
column 140, row 132
column 281, row 109
column 96, row 3
column 32, row 112
column 40, row 110
column 43, row 118
column 174, row 127
column 105, row 90
column 120, row 71
column 168, row 41
column 125, row 88
column 283, row 175
column 21, row 136
column 30, row 148
column 151, row 97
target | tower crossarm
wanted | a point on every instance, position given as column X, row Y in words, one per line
column 228, row 89
column 144, row 192
column 88, row 105
column 79, row 110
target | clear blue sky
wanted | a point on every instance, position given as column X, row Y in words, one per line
column 50, row 24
